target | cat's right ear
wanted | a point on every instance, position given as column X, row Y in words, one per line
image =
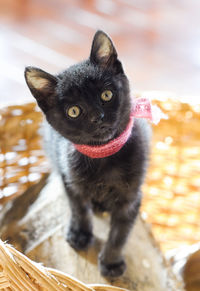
column 104, row 54
column 42, row 86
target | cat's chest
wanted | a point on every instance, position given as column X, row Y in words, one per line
column 104, row 186
column 93, row 174
column 101, row 172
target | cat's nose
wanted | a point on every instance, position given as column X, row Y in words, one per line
column 97, row 117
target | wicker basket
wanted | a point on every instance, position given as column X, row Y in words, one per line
column 171, row 201
column 18, row 272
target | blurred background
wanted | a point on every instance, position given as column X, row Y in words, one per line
column 158, row 41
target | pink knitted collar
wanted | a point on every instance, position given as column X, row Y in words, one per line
column 141, row 108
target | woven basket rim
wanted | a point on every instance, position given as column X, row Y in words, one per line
column 16, row 266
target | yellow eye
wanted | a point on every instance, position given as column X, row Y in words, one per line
column 74, row 111
column 106, row 95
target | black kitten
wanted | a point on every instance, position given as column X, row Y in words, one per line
column 89, row 103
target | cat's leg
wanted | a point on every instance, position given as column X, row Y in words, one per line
column 79, row 234
column 111, row 261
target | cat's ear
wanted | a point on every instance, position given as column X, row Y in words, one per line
column 103, row 52
column 42, row 86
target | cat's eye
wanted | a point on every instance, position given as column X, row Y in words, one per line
column 106, row 95
column 73, row 111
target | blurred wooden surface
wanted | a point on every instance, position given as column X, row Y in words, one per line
column 158, row 41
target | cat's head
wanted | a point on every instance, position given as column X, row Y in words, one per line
column 89, row 102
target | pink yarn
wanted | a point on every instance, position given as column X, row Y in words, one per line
column 141, row 108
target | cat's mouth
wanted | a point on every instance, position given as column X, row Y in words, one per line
column 103, row 135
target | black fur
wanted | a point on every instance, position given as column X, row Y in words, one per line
column 112, row 183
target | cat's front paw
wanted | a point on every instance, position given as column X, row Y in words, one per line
column 112, row 270
column 79, row 239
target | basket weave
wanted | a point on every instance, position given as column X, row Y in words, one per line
column 171, row 201
column 22, row 160
column 18, row 272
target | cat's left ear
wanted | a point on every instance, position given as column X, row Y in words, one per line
column 42, row 86
column 104, row 54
